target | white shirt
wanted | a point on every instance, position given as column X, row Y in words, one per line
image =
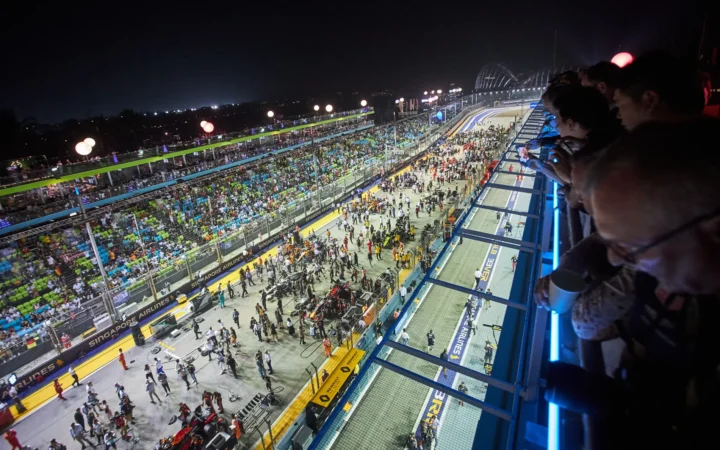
column 478, row 273
column 403, row 291
column 404, row 335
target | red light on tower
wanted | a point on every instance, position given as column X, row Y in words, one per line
column 622, row 59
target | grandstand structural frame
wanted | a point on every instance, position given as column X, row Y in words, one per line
column 498, row 77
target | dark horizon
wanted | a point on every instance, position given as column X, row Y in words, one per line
column 155, row 58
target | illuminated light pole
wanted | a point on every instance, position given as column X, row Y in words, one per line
column 363, row 103
column 147, row 263
column 270, row 114
column 329, row 108
column 84, row 148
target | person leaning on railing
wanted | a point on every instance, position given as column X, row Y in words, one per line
column 669, row 386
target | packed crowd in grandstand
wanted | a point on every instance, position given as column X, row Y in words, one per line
column 32, row 204
column 57, row 271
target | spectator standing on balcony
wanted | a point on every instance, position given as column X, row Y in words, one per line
column 668, row 232
column 657, row 86
column 603, row 77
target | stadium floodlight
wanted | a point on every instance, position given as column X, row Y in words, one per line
column 316, row 107
column 402, row 99
column 208, row 127
column 202, row 124
column 90, row 142
column 425, row 93
column 363, row 103
column 432, row 92
column 83, row 149
column 329, row 108
column 155, row 114
column 397, row 101
column 270, row 114
column 439, row 91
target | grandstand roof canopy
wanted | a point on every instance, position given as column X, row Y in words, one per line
column 498, row 77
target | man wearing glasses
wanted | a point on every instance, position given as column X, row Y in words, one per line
column 655, row 199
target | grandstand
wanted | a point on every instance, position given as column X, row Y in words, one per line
column 167, row 240
column 62, row 188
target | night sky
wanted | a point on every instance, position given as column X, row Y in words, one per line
column 61, row 61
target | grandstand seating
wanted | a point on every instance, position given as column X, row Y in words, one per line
column 45, row 272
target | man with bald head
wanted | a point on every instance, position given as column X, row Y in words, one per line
column 655, row 198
